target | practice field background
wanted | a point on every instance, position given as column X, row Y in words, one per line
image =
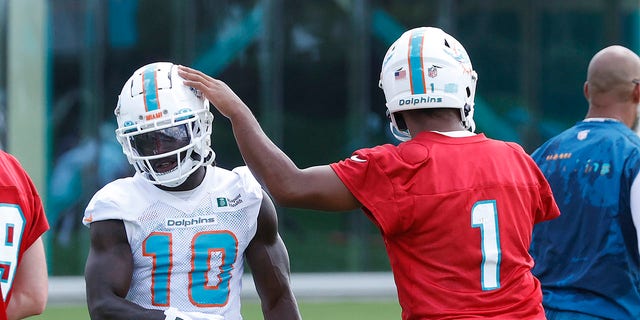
column 309, row 70
column 321, row 296
column 348, row 310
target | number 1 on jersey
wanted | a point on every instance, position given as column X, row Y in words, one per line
column 484, row 215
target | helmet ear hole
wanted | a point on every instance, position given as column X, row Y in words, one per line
column 468, row 92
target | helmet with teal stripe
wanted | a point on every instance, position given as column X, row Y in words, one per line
column 164, row 127
column 427, row 68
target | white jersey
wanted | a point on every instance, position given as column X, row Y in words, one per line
column 187, row 246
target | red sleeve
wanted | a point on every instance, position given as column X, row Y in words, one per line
column 39, row 223
column 548, row 209
column 17, row 188
column 365, row 175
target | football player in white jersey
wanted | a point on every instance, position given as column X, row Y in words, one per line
column 171, row 241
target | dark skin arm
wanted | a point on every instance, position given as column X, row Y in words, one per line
column 269, row 262
column 316, row 187
column 108, row 274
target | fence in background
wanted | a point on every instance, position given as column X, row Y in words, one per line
column 306, row 286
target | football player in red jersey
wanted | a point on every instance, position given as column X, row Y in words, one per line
column 23, row 263
column 456, row 209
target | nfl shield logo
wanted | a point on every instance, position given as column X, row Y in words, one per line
column 583, row 134
column 433, row 72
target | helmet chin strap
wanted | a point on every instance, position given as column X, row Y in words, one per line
column 192, row 162
column 176, row 176
column 174, row 184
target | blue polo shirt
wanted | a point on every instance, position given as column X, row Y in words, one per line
column 587, row 260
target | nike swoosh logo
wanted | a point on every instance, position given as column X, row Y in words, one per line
column 357, row 159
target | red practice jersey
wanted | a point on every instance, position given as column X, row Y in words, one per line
column 456, row 215
column 22, row 220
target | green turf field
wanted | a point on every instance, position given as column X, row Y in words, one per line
column 378, row 310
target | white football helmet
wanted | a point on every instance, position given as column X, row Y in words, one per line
column 427, row 68
column 164, row 127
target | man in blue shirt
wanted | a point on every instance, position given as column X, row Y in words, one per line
column 587, row 259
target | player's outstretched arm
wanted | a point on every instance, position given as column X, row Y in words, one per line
column 315, row 188
column 108, row 274
column 269, row 262
column 30, row 284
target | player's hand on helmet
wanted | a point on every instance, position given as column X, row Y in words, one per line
column 216, row 91
column 175, row 314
